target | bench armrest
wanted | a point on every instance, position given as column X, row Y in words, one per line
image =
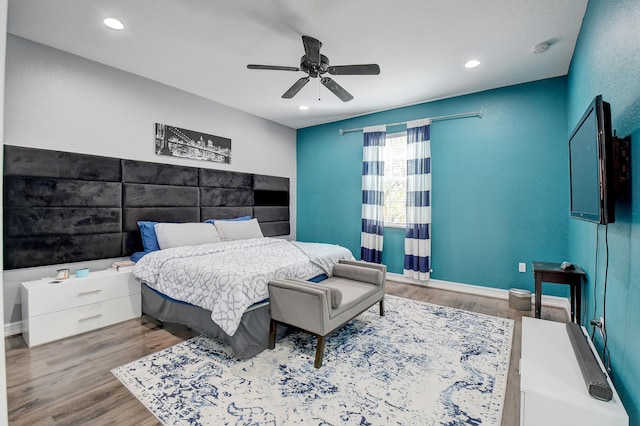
column 365, row 264
column 367, row 272
column 303, row 304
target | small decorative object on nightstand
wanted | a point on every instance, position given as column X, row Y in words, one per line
column 123, row 265
column 77, row 305
column 82, row 273
column 62, row 274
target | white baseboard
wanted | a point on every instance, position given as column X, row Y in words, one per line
column 496, row 293
column 13, row 329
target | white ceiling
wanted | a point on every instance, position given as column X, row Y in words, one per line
column 203, row 46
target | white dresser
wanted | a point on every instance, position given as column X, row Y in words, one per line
column 552, row 390
column 52, row 311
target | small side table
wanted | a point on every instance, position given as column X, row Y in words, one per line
column 550, row 272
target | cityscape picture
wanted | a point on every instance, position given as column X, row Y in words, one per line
column 177, row 142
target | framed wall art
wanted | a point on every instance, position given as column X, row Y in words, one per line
column 177, row 142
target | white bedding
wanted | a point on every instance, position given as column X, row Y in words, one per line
column 228, row 277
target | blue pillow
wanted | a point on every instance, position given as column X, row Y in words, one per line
column 138, row 255
column 211, row 221
column 148, row 233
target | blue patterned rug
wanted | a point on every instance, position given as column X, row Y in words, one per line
column 421, row 364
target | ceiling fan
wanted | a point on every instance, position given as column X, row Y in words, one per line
column 316, row 65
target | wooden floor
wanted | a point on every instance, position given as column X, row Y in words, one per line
column 69, row 382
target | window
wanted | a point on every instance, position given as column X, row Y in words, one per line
column 395, row 179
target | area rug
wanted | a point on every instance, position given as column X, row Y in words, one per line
column 420, row 364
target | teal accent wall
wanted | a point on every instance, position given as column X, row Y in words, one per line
column 607, row 61
column 500, row 185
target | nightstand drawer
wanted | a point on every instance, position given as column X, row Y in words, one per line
column 41, row 297
column 57, row 325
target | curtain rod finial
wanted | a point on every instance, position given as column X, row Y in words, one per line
column 341, row 131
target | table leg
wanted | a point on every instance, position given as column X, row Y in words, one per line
column 538, row 295
column 572, row 304
column 578, row 300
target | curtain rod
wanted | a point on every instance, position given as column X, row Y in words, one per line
column 441, row 118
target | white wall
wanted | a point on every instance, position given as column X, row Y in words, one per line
column 55, row 100
column 3, row 377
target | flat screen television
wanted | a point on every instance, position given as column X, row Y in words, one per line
column 591, row 165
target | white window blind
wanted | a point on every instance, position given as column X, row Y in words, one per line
column 395, row 179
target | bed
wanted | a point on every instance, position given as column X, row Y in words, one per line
column 220, row 289
column 63, row 207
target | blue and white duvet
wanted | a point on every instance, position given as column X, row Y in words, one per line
column 228, row 277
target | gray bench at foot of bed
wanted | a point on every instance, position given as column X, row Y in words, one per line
column 321, row 308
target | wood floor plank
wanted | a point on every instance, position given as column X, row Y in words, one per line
column 69, row 382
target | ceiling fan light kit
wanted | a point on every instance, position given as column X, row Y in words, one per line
column 316, row 65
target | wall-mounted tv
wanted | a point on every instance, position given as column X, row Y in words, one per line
column 591, row 165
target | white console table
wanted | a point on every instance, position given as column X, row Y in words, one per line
column 552, row 390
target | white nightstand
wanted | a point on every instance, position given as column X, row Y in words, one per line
column 77, row 305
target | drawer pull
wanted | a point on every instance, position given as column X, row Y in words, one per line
column 84, row 293
column 90, row 318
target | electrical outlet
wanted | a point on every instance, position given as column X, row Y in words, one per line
column 601, row 328
column 522, row 267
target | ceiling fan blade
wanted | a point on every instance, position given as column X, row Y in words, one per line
column 312, row 49
column 336, row 89
column 366, row 69
column 295, row 88
column 271, row 67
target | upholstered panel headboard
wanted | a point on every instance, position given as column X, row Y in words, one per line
column 64, row 207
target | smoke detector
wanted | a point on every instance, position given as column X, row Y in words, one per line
column 541, row 47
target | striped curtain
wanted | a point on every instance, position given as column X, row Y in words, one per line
column 417, row 242
column 372, row 194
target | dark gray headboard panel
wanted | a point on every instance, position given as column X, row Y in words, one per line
column 63, row 207
column 272, row 204
column 225, row 195
column 157, row 192
column 60, row 206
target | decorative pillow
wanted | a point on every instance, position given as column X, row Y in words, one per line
column 336, row 297
column 138, row 255
column 358, row 273
column 238, row 230
column 185, row 234
column 235, row 218
column 148, row 234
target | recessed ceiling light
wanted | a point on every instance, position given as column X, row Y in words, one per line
column 303, row 107
column 114, row 24
column 472, row 63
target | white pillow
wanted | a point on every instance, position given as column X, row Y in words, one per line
column 185, row 234
column 238, row 230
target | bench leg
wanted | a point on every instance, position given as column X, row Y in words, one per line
column 382, row 307
column 319, row 352
column 272, row 334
